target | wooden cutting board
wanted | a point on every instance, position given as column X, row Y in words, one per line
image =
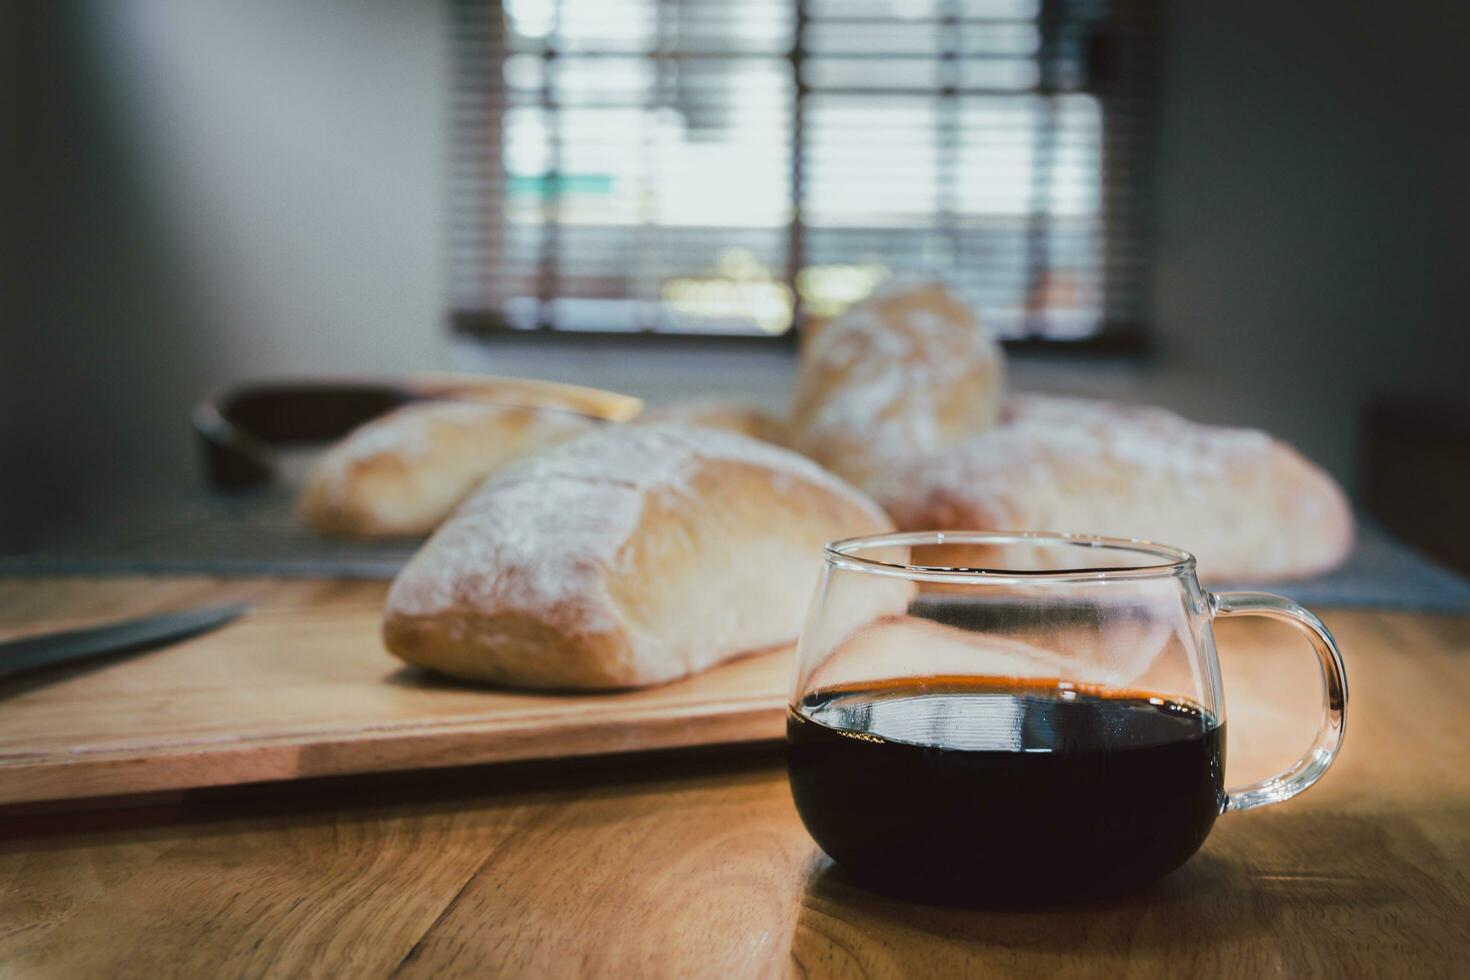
column 302, row 688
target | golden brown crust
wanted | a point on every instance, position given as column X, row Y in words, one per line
column 404, row 473
column 751, row 548
column 1248, row 506
column 507, row 648
column 900, row 375
column 893, row 397
column 630, row 557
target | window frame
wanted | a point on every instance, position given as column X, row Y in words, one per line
column 1130, row 337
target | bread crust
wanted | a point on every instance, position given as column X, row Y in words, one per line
column 632, row 556
column 404, row 473
column 1247, row 505
column 903, row 396
column 899, row 376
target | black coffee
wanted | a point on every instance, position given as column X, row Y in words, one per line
column 996, row 791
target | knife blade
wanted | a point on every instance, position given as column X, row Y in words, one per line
column 30, row 653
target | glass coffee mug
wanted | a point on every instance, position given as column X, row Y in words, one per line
column 1018, row 718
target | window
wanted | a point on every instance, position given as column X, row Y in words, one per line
column 702, row 166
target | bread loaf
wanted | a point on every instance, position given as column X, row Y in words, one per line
column 1248, row 506
column 901, row 375
column 631, row 556
column 717, row 413
column 404, row 473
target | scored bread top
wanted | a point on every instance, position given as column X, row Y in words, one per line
column 541, row 535
column 1040, row 431
column 402, row 434
column 404, row 472
column 905, row 372
column 1246, row 503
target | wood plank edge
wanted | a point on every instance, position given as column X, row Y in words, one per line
column 235, row 763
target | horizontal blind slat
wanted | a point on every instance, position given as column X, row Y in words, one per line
column 640, row 160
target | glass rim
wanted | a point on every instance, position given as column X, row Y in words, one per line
column 1169, row 561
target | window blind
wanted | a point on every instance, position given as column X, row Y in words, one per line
column 701, row 166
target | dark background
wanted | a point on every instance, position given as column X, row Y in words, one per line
column 197, row 193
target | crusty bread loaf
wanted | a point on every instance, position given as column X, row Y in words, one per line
column 719, row 413
column 901, row 375
column 630, row 556
column 404, row 473
column 1245, row 504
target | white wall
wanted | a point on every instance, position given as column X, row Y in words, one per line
column 213, row 190
column 294, row 152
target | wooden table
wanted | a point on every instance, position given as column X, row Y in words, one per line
column 695, row 864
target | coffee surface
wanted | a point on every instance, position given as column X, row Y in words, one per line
column 995, row 790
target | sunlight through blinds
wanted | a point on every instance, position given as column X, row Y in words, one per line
column 699, row 166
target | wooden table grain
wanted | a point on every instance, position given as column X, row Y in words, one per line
column 695, row 864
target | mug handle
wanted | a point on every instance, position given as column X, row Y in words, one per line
column 1310, row 767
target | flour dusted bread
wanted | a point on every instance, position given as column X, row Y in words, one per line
column 1245, row 504
column 719, row 413
column 903, row 374
column 903, row 396
column 631, row 556
column 403, row 473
